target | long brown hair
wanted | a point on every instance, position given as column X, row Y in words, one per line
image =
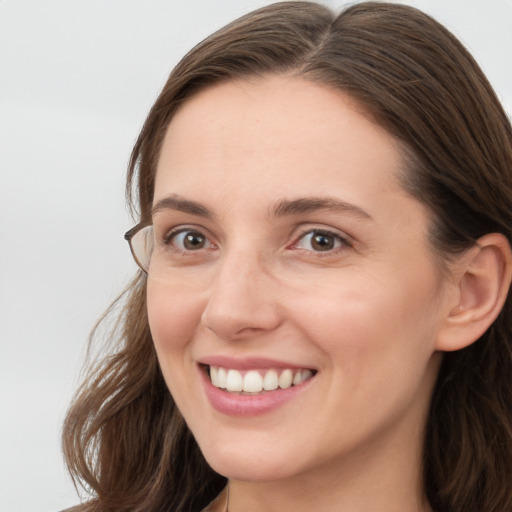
column 124, row 439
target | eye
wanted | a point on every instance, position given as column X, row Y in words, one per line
column 320, row 241
column 188, row 240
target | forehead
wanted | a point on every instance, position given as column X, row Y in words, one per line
column 281, row 134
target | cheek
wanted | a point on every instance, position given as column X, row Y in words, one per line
column 372, row 328
column 378, row 348
column 173, row 316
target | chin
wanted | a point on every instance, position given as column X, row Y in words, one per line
column 246, row 465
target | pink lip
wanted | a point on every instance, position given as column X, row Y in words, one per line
column 248, row 363
column 233, row 404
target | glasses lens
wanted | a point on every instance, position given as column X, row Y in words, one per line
column 142, row 243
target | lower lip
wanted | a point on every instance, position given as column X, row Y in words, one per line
column 234, row 404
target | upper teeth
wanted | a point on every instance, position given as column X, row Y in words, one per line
column 255, row 381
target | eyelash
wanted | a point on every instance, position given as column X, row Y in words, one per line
column 170, row 237
column 340, row 242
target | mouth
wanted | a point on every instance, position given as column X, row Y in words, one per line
column 257, row 381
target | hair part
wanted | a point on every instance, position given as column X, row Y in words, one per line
column 124, row 438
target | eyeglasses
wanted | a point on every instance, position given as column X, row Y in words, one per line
column 142, row 242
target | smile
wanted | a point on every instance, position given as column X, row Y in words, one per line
column 257, row 381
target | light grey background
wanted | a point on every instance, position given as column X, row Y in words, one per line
column 77, row 78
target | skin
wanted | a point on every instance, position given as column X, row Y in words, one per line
column 366, row 315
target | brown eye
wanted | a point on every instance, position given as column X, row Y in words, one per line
column 321, row 241
column 189, row 240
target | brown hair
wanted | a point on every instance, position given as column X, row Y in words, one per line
column 124, row 438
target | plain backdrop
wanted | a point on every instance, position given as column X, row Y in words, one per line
column 77, row 78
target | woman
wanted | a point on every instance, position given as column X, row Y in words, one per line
column 322, row 317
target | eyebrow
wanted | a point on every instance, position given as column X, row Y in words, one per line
column 281, row 208
column 311, row 204
column 175, row 202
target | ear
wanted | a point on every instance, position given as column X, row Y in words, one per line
column 482, row 281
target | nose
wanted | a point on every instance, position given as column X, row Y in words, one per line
column 242, row 302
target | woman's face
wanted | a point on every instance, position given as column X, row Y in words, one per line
column 287, row 249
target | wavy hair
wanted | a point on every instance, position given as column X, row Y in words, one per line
column 124, row 439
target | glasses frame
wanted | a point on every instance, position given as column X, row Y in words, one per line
column 128, row 236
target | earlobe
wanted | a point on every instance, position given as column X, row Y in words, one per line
column 483, row 282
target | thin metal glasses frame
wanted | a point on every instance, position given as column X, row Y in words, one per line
column 129, row 237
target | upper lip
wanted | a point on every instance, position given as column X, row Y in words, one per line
column 248, row 363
